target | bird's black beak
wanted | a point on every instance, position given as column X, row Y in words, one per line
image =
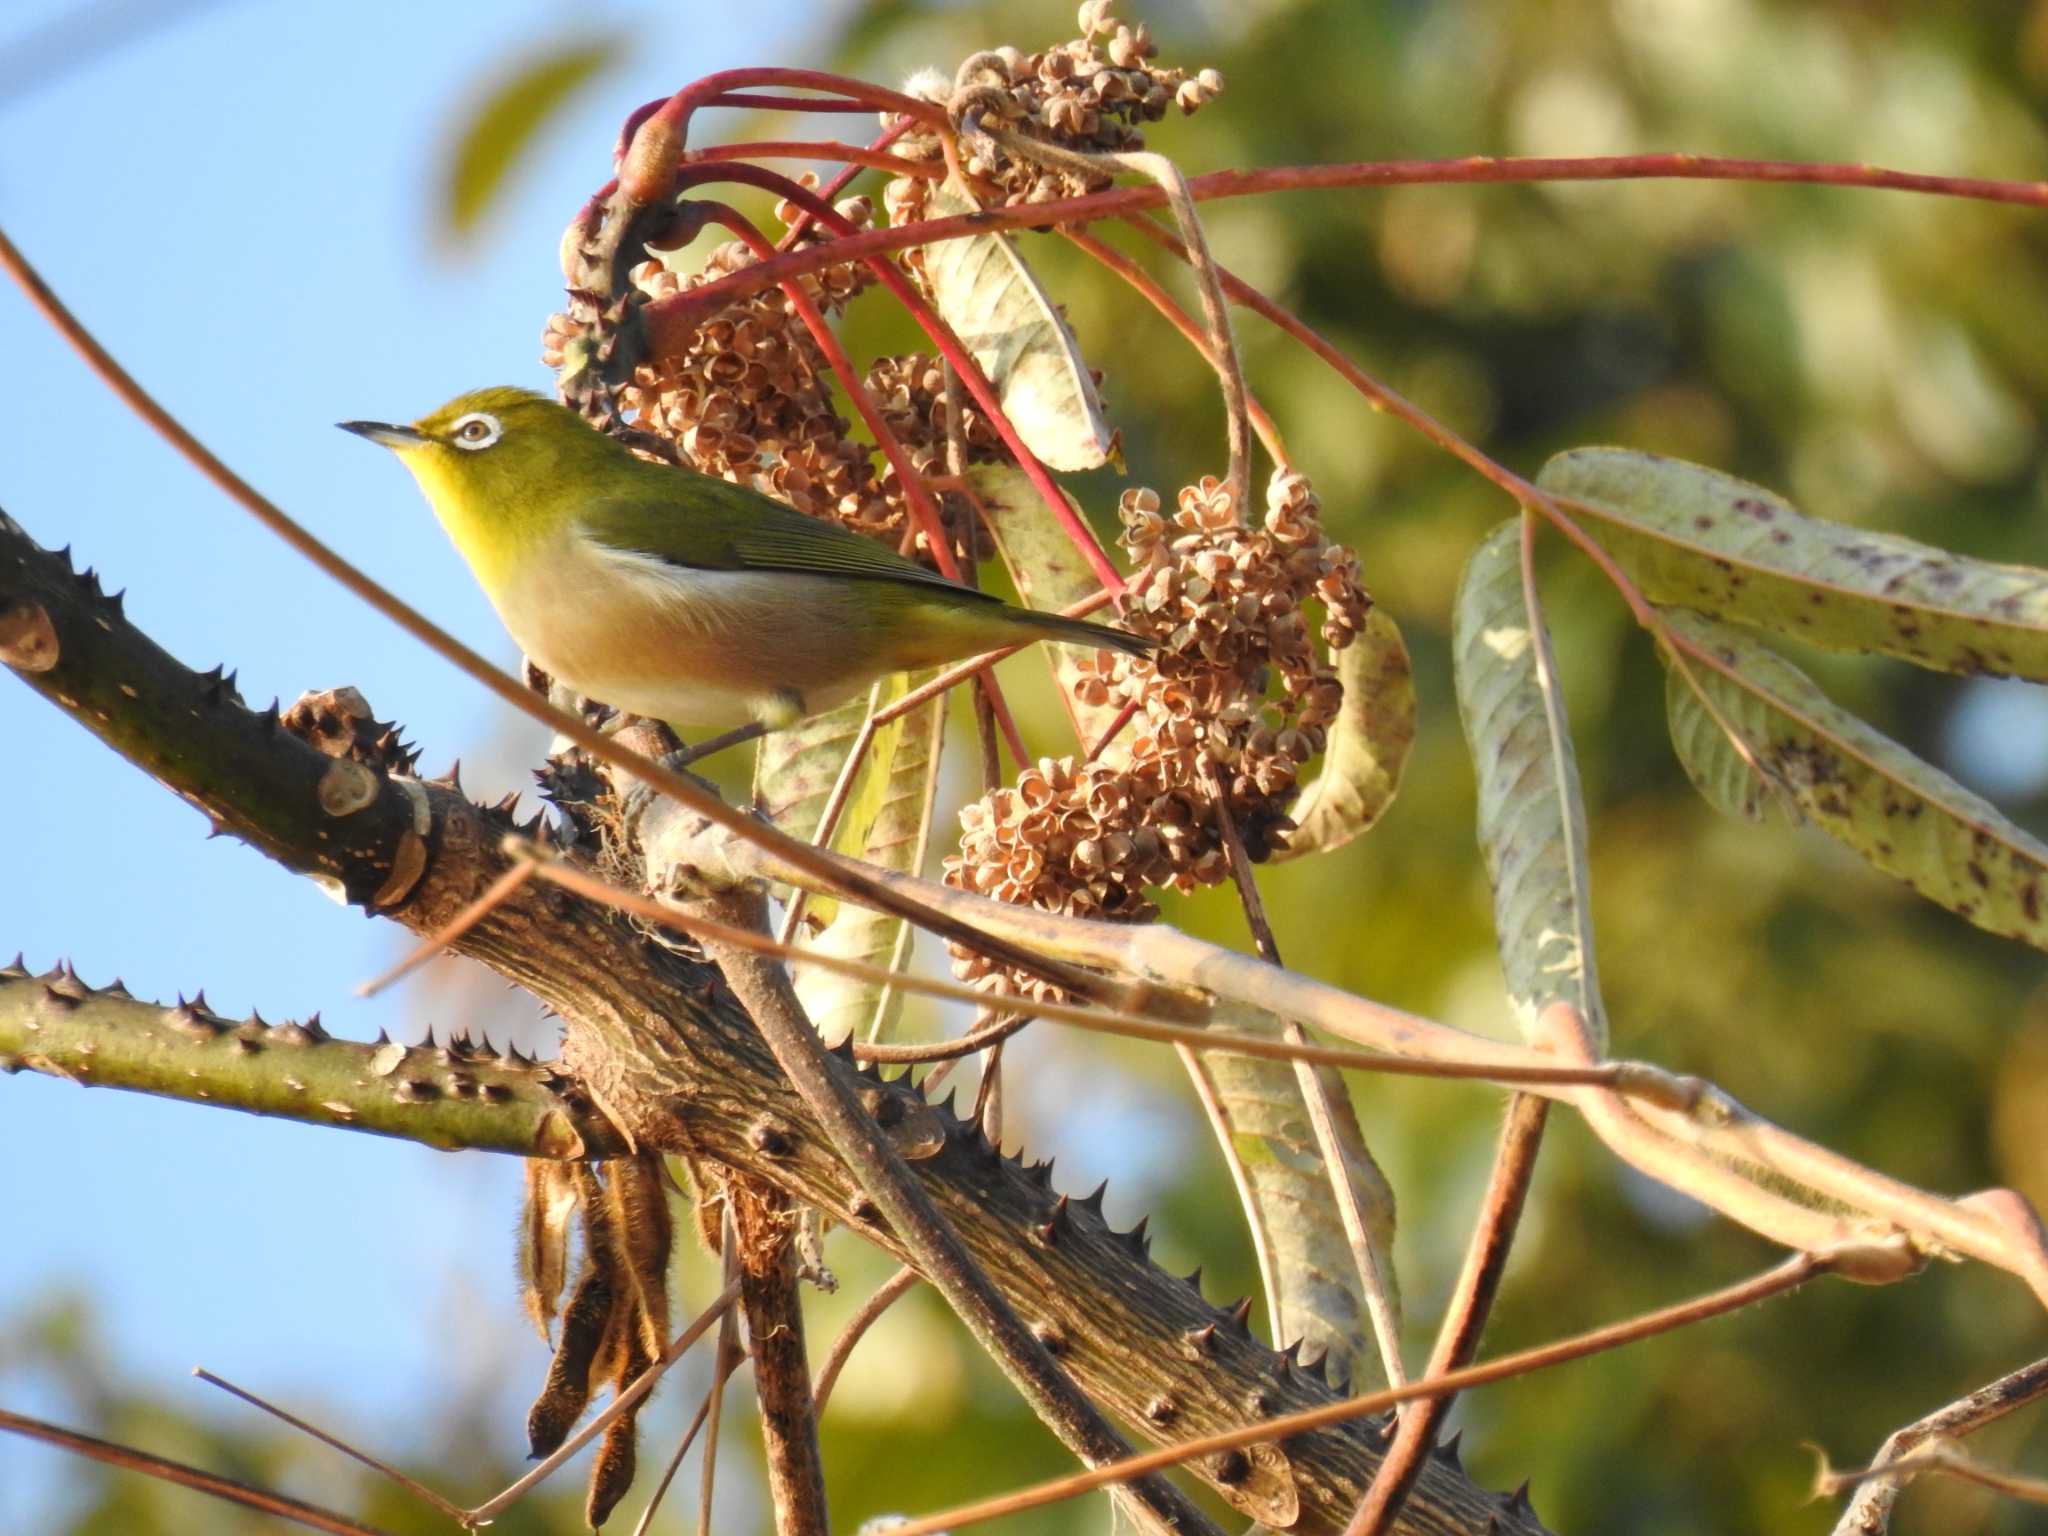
column 383, row 432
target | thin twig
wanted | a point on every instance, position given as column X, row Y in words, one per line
column 1623, row 1077
column 988, row 1093
column 856, row 1328
column 981, row 1038
column 856, row 156
column 1772, row 1282
column 412, row 1486
column 1869, row 1513
column 1240, row 864
column 1950, row 1460
column 704, row 1410
column 643, row 1384
column 1114, row 729
column 262, row 1500
column 680, row 311
column 726, row 1358
column 1137, row 277
column 1457, row 1341
column 839, row 183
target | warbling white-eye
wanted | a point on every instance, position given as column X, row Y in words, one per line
column 676, row 595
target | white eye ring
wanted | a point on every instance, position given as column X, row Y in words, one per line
column 479, row 429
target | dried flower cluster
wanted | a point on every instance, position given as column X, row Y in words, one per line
column 750, row 400
column 1226, row 603
column 1090, row 95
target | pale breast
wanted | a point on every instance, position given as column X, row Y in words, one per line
column 694, row 647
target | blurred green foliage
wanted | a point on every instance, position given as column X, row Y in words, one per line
column 1879, row 358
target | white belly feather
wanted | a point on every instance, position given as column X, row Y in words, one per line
column 693, row 647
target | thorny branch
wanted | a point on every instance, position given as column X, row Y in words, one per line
column 449, row 1097
column 664, row 1043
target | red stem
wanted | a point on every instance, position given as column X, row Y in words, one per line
column 665, row 338
column 753, row 103
column 853, row 155
column 1372, row 173
column 1127, row 269
column 831, row 190
column 1403, row 409
column 923, row 510
column 715, row 90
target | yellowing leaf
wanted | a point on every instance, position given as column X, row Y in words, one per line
column 888, row 827
column 1005, row 319
column 504, row 124
column 885, row 821
column 1368, row 745
column 1532, row 818
column 1258, row 1111
column 1903, row 815
column 1706, row 540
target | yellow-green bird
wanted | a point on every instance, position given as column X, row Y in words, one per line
column 677, row 595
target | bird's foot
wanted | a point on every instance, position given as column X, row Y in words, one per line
column 703, row 749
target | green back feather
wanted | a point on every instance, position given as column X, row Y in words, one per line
column 714, row 525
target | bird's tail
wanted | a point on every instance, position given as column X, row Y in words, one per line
column 1057, row 626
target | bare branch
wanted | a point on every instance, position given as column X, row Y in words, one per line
column 1486, row 1258
column 1869, row 1513
column 763, row 1220
column 764, row 990
column 225, row 1488
column 856, row 1329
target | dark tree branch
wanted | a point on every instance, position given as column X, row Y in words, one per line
column 763, row 1220
column 900, row 1202
column 453, row 1099
column 671, row 1055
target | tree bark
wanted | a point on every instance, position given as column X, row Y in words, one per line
column 665, row 1048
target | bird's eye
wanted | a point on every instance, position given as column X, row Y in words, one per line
column 476, row 430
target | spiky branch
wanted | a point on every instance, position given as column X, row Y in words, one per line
column 679, row 1065
column 453, row 1098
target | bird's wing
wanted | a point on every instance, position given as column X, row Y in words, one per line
column 713, row 524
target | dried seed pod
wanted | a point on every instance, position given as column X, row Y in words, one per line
column 1235, row 683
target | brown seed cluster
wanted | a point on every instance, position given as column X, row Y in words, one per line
column 751, row 399
column 1091, row 94
column 1226, row 601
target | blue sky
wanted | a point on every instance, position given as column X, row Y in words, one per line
column 238, row 202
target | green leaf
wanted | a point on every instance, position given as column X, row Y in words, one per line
column 1368, row 745
column 1007, row 321
column 1532, row 819
column 1047, row 571
column 1903, row 815
column 504, row 124
column 1705, row 540
column 1256, row 1108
